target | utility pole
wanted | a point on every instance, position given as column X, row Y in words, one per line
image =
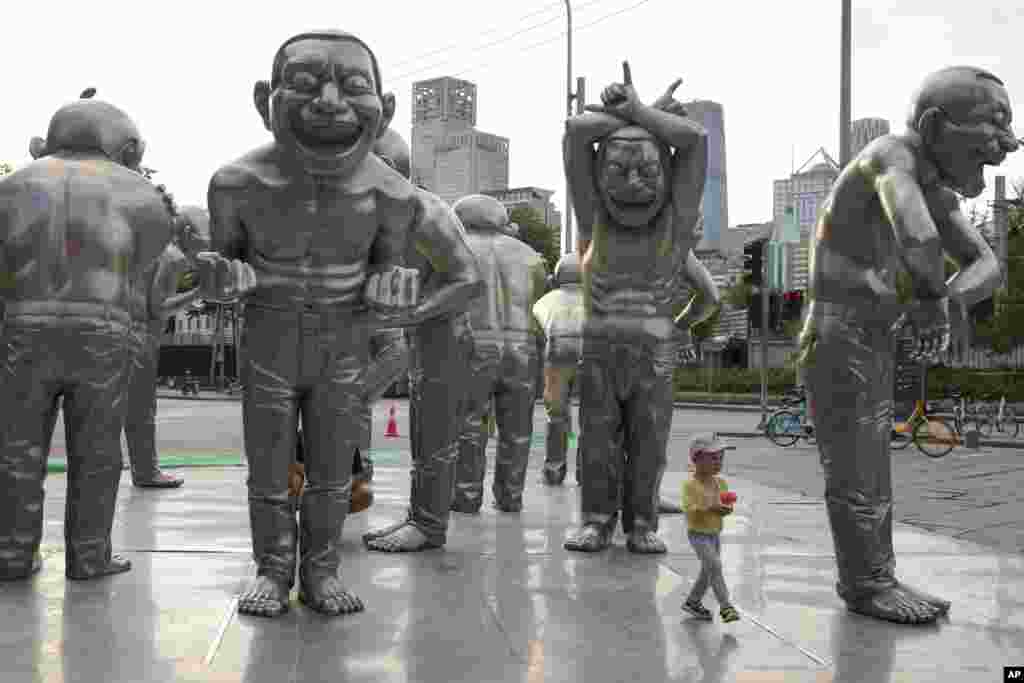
column 844, row 88
column 567, row 236
column 765, row 292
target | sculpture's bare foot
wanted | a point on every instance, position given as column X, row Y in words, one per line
column 405, row 538
column 645, row 543
column 668, row 508
column 896, row 605
column 116, row 565
column 385, row 531
column 938, row 603
column 7, row 574
column 264, row 597
column 591, row 538
column 161, row 480
column 327, row 595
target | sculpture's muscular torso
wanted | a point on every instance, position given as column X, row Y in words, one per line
column 504, row 362
column 438, row 359
column 324, row 223
column 637, row 201
column 78, row 227
column 894, row 206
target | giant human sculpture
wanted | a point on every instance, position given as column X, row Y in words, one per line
column 439, row 352
column 504, row 362
column 157, row 299
column 637, row 201
column 559, row 314
column 78, row 227
column 894, row 207
column 325, row 223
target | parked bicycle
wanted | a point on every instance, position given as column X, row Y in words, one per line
column 788, row 425
column 932, row 434
column 1001, row 418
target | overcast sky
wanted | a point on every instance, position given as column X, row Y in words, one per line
column 185, row 70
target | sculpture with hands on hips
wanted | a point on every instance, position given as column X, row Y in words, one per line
column 894, row 207
column 637, row 201
column 320, row 293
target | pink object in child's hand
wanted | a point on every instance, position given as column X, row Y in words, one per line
column 728, row 497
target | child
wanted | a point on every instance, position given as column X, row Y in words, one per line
column 704, row 511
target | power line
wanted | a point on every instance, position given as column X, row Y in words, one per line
column 489, row 31
column 558, row 37
column 404, row 76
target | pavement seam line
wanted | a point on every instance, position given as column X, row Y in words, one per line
column 221, row 632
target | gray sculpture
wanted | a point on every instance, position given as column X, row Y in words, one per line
column 66, row 288
column 637, row 201
column 157, row 299
column 894, row 206
column 325, row 223
column 504, row 363
column 559, row 315
column 439, row 352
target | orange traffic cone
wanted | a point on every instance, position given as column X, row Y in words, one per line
column 392, row 430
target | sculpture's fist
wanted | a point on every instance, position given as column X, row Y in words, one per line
column 930, row 323
column 222, row 279
column 668, row 103
column 619, row 99
column 394, row 291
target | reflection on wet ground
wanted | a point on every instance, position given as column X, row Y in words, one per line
column 504, row 602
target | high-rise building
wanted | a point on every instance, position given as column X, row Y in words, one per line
column 803, row 193
column 863, row 131
column 450, row 157
column 714, row 204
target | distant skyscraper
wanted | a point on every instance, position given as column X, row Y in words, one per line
column 449, row 156
column 863, row 131
column 535, row 198
column 715, row 204
column 803, row 192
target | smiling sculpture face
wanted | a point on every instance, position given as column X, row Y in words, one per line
column 326, row 105
column 632, row 181
column 975, row 135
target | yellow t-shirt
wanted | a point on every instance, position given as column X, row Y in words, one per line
column 697, row 502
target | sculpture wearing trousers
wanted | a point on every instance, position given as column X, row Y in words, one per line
column 159, row 296
column 559, row 315
column 439, row 353
column 66, row 289
column 894, row 207
column 325, row 224
column 637, row 201
column 504, row 362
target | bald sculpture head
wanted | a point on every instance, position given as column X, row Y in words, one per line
column 89, row 125
column 482, row 213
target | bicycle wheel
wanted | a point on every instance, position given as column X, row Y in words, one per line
column 900, row 440
column 934, row 437
column 1009, row 426
column 784, row 428
column 985, row 424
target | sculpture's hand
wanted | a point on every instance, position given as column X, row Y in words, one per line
column 930, row 321
column 222, row 279
column 394, row 292
column 668, row 103
column 687, row 349
column 619, row 99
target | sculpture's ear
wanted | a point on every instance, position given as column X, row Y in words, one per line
column 261, row 98
column 37, row 147
column 929, row 125
column 387, row 101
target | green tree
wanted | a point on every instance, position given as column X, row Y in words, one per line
column 1004, row 331
column 5, row 169
column 534, row 231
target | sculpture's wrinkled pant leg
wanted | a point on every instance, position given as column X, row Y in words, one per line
column 558, row 383
column 88, row 365
column 471, row 466
column 140, row 410
column 850, row 379
column 601, row 419
column 513, row 411
column 645, row 438
column 441, row 349
column 309, row 362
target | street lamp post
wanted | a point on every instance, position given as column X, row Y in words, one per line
column 844, row 87
column 567, row 231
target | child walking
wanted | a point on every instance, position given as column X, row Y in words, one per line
column 705, row 505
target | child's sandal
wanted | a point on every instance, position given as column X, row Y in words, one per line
column 730, row 614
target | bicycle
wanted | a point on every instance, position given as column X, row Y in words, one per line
column 1002, row 419
column 930, row 433
column 788, row 425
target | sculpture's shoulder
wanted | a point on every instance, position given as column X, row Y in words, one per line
column 888, row 153
column 518, row 250
column 254, row 170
